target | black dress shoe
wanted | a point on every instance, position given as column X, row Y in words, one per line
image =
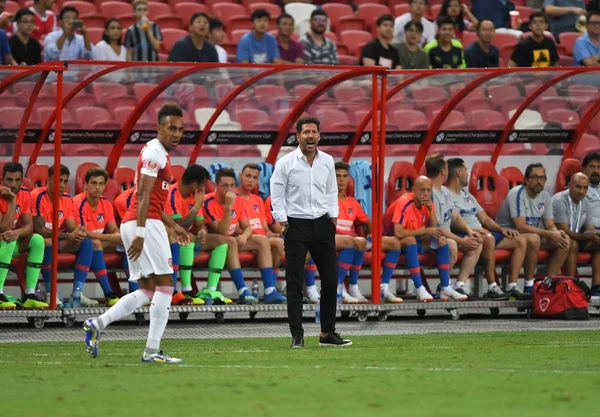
column 334, row 339
column 297, row 342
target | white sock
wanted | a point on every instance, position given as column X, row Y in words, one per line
column 29, row 291
column 448, row 288
column 269, row 290
column 211, row 288
column 354, row 289
column 242, row 290
column 186, row 289
column 124, row 307
column 458, row 284
column 385, row 288
column 159, row 316
column 512, row 285
column 492, row 286
column 529, row 282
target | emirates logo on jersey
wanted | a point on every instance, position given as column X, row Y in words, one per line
column 100, row 218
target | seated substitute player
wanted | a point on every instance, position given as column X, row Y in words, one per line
column 591, row 168
column 223, row 213
column 96, row 214
column 72, row 238
column 184, row 205
column 468, row 241
column 411, row 219
column 572, row 215
column 16, row 233
column 526, row 208
column 255, row 209
column 494, row 236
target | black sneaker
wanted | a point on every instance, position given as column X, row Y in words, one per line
column 496, row 294
column 334, row 339
column 518, row 295
column 297, row 342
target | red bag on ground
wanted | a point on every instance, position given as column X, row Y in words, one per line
column 560, row 298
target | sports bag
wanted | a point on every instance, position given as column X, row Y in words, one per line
column 560, row 298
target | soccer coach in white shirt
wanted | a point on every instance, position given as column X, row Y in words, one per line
column 304, row 200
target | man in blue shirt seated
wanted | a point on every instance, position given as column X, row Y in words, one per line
column 258, row 46
column 481, row 53
column 65, row 44
column 586, row 51
column 5, row 52
column 494, row 10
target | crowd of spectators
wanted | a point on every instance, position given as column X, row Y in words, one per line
column 408, row 41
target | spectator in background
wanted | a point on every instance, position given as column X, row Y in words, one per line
column 411, row 55
column 445, row 52
column 563, row 14
column 217, row 34
column 416, row 14
column 195, row 47
column 554, row 148
column 481, row 53
column 25, row 49
column 318, row 49
column 586, row 51
column 45, row 19
column 143, row 38
column 495, row 10
column 537, row 50
column 6, row 19
column 290, row 51
column 110, row 48
column 65, row 44
column 258, row 46
column 5, row 52
column 379, row 51
column 460, row 14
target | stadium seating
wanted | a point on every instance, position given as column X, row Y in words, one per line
column 124, row 176
column 488, row 188
column 38, row 174
column 400, row 180
column 513, row 175
column 82, row 170
column 567, row 168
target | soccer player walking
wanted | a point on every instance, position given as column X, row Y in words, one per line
column 146, row 241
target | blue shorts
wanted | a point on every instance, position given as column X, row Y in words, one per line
column 420, row 246
column 498, row 237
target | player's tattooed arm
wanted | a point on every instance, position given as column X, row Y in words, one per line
column 39, row 226
column 189, row 220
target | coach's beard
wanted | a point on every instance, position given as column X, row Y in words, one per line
column 595, row 180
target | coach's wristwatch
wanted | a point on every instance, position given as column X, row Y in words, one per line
column 283, row 228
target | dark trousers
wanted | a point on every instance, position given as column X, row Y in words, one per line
column 317, row 237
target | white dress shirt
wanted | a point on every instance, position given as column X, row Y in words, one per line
column 401, row 21
column 301, row 191
column 75, row 49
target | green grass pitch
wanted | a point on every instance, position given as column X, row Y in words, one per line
column 544, row 374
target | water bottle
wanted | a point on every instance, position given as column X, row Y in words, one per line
column 318, row 311
column 197, row 248
column 340, row 293
column 76, row 298
column 434, row 242
column 381, row 294
column 255, row 288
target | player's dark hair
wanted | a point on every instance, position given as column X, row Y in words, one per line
column 66, row 10
column 63, row 171
column 445, row 20
column 224, row 172
column 12, row 167
column 531, row 167
column 105, row 36
column 384, row 18
column 454, row 164
column 537, row 14
column 215, row 23
column 478, row 26
column 197, row 15
column 307, row 120
column 593, row 12
column 23, row 12
column 342, row 165
column 284, row 16
column 259, row 14
column 553, row 126
column 416, row 25
column 318, row 12
column 591, row 157
column 434, row 165
column 195, row 173
column 169, row 109
column 251, row 166
column 412, row 1
column 96, row 172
